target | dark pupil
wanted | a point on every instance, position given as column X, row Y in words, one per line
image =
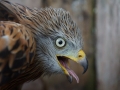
column 60, row 42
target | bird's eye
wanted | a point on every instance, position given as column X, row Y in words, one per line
column 60, row 42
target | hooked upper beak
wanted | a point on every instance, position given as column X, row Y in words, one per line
column 84, row 63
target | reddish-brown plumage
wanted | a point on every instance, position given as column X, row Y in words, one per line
column 17, row 46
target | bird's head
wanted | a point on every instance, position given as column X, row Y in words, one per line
column 59, row 40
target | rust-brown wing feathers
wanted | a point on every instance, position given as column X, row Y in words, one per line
column 17, row 46
column 17, row 49
column 14, row 12
column 18, row 13
column 7, row 12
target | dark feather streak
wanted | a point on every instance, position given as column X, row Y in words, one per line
column 4, row 53
column 16, row 45
column 18, row 63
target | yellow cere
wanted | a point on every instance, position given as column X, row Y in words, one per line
column 80, row 56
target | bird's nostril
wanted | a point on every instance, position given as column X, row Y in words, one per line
column 80, row 55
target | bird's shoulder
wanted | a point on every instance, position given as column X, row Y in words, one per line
column 17, row 50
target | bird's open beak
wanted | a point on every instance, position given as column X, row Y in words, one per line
column 63, row 62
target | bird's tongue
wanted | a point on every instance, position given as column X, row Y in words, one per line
column 71, row 72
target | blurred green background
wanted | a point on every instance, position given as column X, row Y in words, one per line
column 99, row 21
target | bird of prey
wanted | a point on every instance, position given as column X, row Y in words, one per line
column 35, row 42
